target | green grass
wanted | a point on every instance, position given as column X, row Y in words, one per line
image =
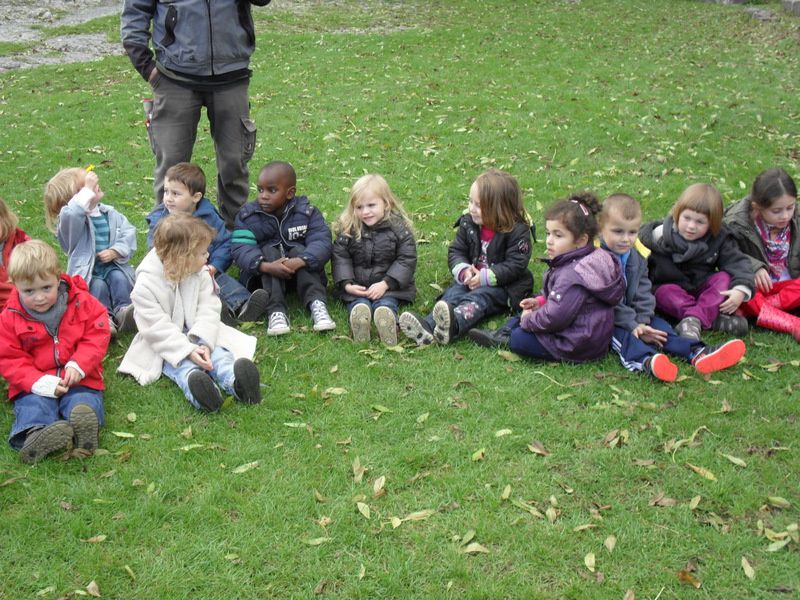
column 643, row 97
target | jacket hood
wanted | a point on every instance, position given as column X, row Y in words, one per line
column 597, row 270
column 151, row 265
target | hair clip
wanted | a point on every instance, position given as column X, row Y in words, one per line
column 583, row 207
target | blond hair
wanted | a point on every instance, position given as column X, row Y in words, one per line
column 32, row 259
column 177, row 239
column 702, row 198
column 623, row 205
column 58, row 192
column 8, row 221
column 500, row 198
column 348, row 222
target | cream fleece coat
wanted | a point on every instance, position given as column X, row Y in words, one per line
column 163, row 310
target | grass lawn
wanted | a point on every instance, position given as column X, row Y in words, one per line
column 444, row 471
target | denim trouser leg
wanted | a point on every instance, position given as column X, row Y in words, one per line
column 231, row 292
column 119, row 289
column 99, row 289
column 222, row 372
column 470, row 306
column 392, row 303
column 32, row 411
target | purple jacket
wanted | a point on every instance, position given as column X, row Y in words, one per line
column 581, row 289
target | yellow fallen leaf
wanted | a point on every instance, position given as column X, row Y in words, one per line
column 506, row 492
column 538, row 448
column 246, row 467
column 702, row 472
column 95, row 539
column 551, row 513
column 131, row 416
column 130, row 572
column 475, row 548
column 502, row 432
column 45, row 591
column 295, row 425
column 422, row 418
column 232, row 556
column 334, row 391
column 584, row 527
column 588, row 560
column 694, row 502
column 358, row 470
column 92, row 589
column 317, row 541
column 775, row 546
column 748, row 569
column 190, row 447
column 187, row 433
column 319, row 497
column 419, row 515
column 468, row 537
column 334, row 368
column 363, row 509
column 378, row 484
column 735, row 460
column 361, row 572
column 509, row 356
column 610, row 543
column 778, row 502
column 122, row 434
column 396, row 522
column 629, row 595
column 478, row 455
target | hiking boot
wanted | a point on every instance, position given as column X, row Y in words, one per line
column 360, row 322
column 661, row 367
column 246, row 381
column 319, row 314
column 204, row 391
column 416, row 329
column 386, row 324
column 445, row 319
column 254, row 307
column 85, row 427
column 124, row 319
column 278, row 324
column 716, row 358
column 41, row 442
column 488, row 338
column 732, row 324
column 689, row 327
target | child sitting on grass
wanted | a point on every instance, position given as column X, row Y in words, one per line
column 283, row 239
column 184, row 192
column 10, row 236
column 53, row 338
column 178, row 316
column 488, row 259
column 98, row 241
column 374, row 259
column 640, row 338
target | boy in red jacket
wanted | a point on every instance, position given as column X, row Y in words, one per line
column 53, row 337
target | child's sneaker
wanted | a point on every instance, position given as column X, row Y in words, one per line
column 41, row 442
column 386, row 324
column 112, row 327
column 360, row 322
column 85, row 427
column 319, row 314
column 246, row 381
column 716, row 358
column 204, row 391
column 661, row 367
column 445, row 319
column 488, row 338
column 416, row 329
column 278, row 324
column 254, row 307
column 125, row 321
column 730, row 324
column 689, row 327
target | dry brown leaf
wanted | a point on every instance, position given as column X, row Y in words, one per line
column 92, row 589
column 661, row 500
column 584, row 527
column 378, row 484
column 629, row 595
column 363, row 509
column 419, row 515
column 538, row 448
column 506, row 492
column 551, row 513
column 324, row 521
column 644, row 462
column 694, row 502
column 358, row 470
column 474, row 548
column 10, row 480
column 703, row 472
column 735, row 460
column 686, row 577
column 246, row 467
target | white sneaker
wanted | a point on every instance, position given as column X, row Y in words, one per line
column 360, row 322
column 386, row 324
column 278, row 324
column 319, row 314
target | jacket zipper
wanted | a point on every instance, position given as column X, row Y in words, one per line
column 56, row 354
column 210, row 36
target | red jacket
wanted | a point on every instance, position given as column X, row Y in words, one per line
column 15, row 238
column 27, row 351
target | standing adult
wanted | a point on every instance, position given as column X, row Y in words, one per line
column 202, row 57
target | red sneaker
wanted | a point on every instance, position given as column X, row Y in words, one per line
column 661, row 367
column 716, row 358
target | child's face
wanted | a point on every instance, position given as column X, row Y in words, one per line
column 692, row 225
column 559, row 240
column 779, row 213
column 39, row 294
column 619, row 234
column 475, row 204
column 370, row 209
column 274, row 190
column 199, row 258
column 178, row 198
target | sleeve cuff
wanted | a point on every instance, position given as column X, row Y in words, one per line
column 745, row 290
column 458, row 271
column 46, row 386
column 75, row 366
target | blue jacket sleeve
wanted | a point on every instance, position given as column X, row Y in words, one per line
column 245, row 247
column 318, row 242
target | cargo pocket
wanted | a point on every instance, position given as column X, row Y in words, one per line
column 248, row 139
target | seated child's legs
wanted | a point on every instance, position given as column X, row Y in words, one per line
column 632, row 351
column 310, row 284
column 526, row 343
column 222, row 373
column 389, row 302
column 31, row 411
column 709, row 297
column 784, row 295
column 231, row 292
column 119, row 288
column 98, row 287
column 180, row 375
column 470, row 307
column 453, row 295
column 677, row 345
column 275, row 286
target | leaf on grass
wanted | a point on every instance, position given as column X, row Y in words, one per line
column 778, row 502
column 629, row 595
column 775, row 546
column 297, row 395
column 502, row 432
column 468, row 537
column 363, row 509
column 563, row 396
column 584, row 527
column 97, row 539
column 478, row 455
column 686, row 577
column 130, row 572
column 333, row 369
column 362, row 571
column 735, row 460
column 67, row 505
column 661, row 500
column 475, row 548
column 93, row 589
column 610, row 543
column 317, row 541
column 324, row 521
column 528, row 508
column 296, row 425
column 396, row 522
column 378, row 485
column 246, row 467
column 358, row 470
column 381, row 408
column 589, row 561
column 726, row 407
column 187, row 433
column 748, row 569
column 345, row 442
column 509, row 356
column 334, row 391
column 45, row 591
column 419, row 515
column 538, row 448
column 506, row 492
column 122, row 434
column 190, row 447
column 644, row 462
column 694, row 502
column 702, row 472
column 422, row 418
column 131, row 416
column 10, row 480
column 551, row 513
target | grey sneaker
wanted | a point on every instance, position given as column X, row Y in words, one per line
column 319, row 314
column 415, row 329
column 445, row 330
column 85, row 427
column 360, row 318
column 112, row 327
column 41, row 442
column 386, row 324
column 689, row 327
column 125, row 320
column 732, row 324
column 278, row 324
column 247, row 381
column 255, row 306
column 204, row 391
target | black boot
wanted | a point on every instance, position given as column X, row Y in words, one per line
column 490, row 339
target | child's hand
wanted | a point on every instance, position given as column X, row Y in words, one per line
column 763, row 281
column 92, row 182
column 474, row 281
column 295, row 264
column 529, row 304
column 355, row 289
column 108, row 255
column 377, row 290
column 71, row 377
column 650, row 335
column 60, row 390
column 277, row 268
column 732, row 302
column 201, row 356
column 211, row 269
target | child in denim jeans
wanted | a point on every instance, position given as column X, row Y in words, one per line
column 53, row 337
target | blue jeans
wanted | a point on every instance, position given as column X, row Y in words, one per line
column 32, row 411
column 222, row 373
column 113, row 291
column 470, row 306
column 526, row 343
column 392, row 303
column 633, row 352
column 231, row 292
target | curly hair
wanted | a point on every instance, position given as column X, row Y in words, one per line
column 578, row 213
column 177, row 240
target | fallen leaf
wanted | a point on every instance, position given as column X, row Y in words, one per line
column 97, row 539
column 377, row 486
column 538, row 448
column 735, row 460
column 92, row 589
column 381, row 408
column 702, row 472
column 190, row 447
column 363, row 509
column 694, row 502
column 588, row 560
column 333, row 369
column 778, row 502
column 551, row 513
column 396, row 522
column 296, row 425
column 528, row 507
column 506, row 492
column 509, row 356
column 122, row 434
column 422, row 418
column 689, row 579
column 644, row 462
column 502, row 432
column 334, row 391
column 45, row 591
column 345, row 442
column 629, row 595
column 584, row 527
column 317, row 541
column 130, row 572
column 419, row 515
column 468, row 537
column 246, row 467
column 775, row 546
column 131, row 416
column 358, row 470
column 67, row 505
column 362, row 570
column 10, row 480
column 661, row 500
column 187, row 433
column 478, row 455
column 748, row 569
column 474, row 548
column 610, row 543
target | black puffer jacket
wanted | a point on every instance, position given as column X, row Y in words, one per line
column 386, row 252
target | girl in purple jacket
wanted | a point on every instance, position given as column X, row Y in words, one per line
column 574, row 317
